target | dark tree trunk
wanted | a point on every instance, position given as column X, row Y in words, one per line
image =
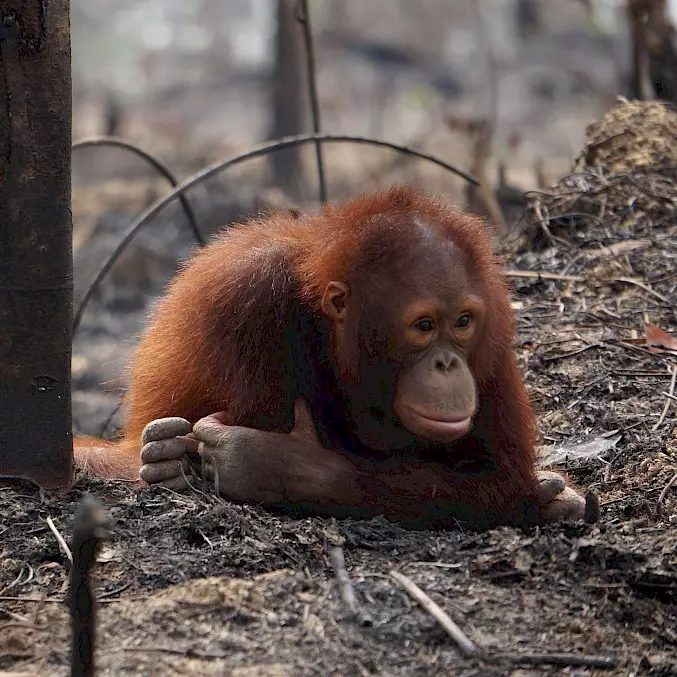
column 528, row 18
column 654, row 50
column 289, row 98
column 36, row 266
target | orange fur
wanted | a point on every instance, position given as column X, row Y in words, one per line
column 240, row 330
column 99, row 458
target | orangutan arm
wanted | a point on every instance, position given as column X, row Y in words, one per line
column 295, row 472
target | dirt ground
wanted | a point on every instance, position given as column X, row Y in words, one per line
column 190, row 585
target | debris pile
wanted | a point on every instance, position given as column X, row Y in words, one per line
column 623, row 187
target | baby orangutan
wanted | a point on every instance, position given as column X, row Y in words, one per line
column 354, row 362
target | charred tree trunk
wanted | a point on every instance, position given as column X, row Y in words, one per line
column 662, row 48
column 639, row 83
column 36, row 267
column 289, row 97
column 528, row 18
column 654, row 50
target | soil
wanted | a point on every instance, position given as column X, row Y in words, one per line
column 191, row 585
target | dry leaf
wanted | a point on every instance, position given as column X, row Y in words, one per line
column 659, row 341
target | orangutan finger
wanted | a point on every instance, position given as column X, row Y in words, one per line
column 567, row 506
column 154, row 473
column 163, row 450
column 162, row 428
column 212, row 433
column 550, row 485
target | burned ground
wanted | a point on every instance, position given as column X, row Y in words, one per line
column 190, row 585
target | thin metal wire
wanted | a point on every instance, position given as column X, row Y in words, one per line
column 115, row 142
column 219, row 166
column 109, row 420
column 303, row 17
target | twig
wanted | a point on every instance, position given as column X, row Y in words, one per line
column 346, row 589
column 667, row 488
column 109, row 420
column 611, row 502
column 115, row 591
column 219, row 166
column 558, row 659
column 485, row 135
column 217, row 488
column 206, row 540
column 439, row 565
column 631, row 347
column 573, row 260
column 303, row 17
column 192, row 487
column 31, row 574
column 188, row 652
column 543, row 275
column 592, row 509
column 637, row 283
column 60, row 539
column 605, row 479
column 19, row 578
column 544, row 226
column 28, row 626
column 91, row 527
column 668, row 401
column 465, row 645
column 564, row 356
column 36, row 600
column 28, row 480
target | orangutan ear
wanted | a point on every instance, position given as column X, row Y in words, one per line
column 335, row 301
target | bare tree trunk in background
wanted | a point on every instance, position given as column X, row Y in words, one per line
column 662, row 48
column 481, row 199
column 289, row 98
column 528, row 18
column 36, row 266
column 639, row 85
column 112, row 114
column 654, row 50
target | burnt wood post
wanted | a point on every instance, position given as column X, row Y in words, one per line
column 36, row 264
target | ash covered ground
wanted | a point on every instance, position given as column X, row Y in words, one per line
column 194, row 586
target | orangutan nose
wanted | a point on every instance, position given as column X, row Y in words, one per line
column 446, row 361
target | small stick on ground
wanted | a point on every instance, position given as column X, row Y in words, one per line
column 91, row 527
column 592, row 509
column 573, row 353
column 19, row 579
column 193, row 487
column 36, row 600
column 640, row 285
column 188, row 652
column 346, row 589
column 59, row 539
column 467, row 648
column 668, row 400
column 27, row 480
column 543, row 275
column 666, row 488
column 558, row 659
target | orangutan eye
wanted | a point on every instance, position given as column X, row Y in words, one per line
column 425, row 325
column 464, row 321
